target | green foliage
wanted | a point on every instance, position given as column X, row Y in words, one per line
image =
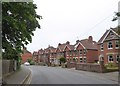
column 117, row 14
column 19, row 20
column 62, row 59
column 110, row 65
column 32, row 63
column 29, row 60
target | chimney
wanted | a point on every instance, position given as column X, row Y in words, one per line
column 59, row 44
column 68, row 42
column 77, row 41
column 90, row 38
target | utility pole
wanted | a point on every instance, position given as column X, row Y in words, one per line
column 119, row 44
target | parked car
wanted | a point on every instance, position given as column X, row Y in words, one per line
column 27, row 63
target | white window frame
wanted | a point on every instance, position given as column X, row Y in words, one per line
column 110, row 45
column 81, row 60
column 101, row 47
column 117, row 43
column 84, row 59
column 109, row 59
column 81, row 52
column 84, row 51
column 117, row 56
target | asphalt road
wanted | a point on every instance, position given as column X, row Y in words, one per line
column 57, row 75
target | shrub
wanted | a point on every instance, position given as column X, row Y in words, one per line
column 110, row 65
column 62, row 59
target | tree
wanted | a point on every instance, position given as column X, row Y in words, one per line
column 62, row 59
column 117, row 14
column 19, row 20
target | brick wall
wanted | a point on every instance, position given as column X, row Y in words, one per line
column 71, row 64
column 8, row 66
column 90, row 67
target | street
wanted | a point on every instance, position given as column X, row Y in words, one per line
column 57, row 75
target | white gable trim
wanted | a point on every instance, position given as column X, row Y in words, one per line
column 65, row 47
column 108, row 33
column 57, row 48
column 80, row 44
column 114, row 32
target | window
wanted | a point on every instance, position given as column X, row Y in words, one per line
column 117, row 58
column 67, row 53
column 80, row 59
column 84, row 52
column 117, row 44
column 70, row 53
column 84, row 59
column 110, row 46
column 111, row 34
column 110, row 58
column 80, row 52
column 101, row 47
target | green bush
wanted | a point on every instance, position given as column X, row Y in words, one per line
column 62, row 59
column 32, row 63
column 110, row 65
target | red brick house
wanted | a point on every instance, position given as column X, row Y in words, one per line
column 60, row 52
column 69, row 51
column 86, row 50
column 40, row 55
column 108, row 46
column 52, row 56
column 35, row 57
column 26, row 55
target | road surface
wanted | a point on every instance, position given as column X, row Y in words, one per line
column 57, row 75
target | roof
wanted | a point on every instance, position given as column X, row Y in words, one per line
column 104, row 37
column 50, row 49
column 61, row 46
column 40, row 51
column 71, row 47
column 87, row 44
column 35, row 53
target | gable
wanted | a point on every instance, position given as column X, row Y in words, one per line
column 66, row 48
column 58, row 50
column 111, row 36
column 108, row 35
column 79, row 46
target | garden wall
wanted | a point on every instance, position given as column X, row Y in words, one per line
column 8, row 66
column 90, row 67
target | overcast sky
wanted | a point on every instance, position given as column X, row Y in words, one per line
column 70, row 20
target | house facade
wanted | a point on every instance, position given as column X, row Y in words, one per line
column 35, row 57
column 108, row 46
column 26, row 55
column 83, row 51
column 86, row 51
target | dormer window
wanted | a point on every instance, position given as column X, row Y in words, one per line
column 110, row 46
column 101, row 47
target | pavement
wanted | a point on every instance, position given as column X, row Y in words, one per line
column 19, row 77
